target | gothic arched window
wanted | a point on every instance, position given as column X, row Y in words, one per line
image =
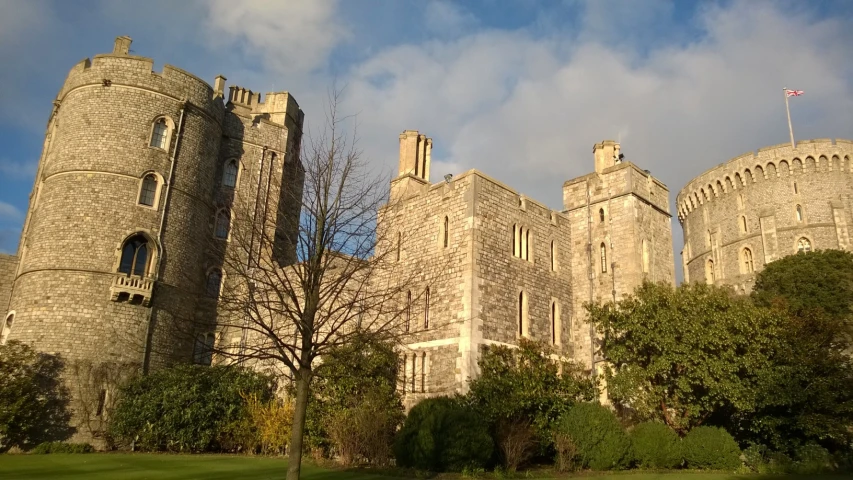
column 214, row 283
column 710, row 275
column 799, row 212
column 148, row 192
column 229, row 174
column 223, row 224
column 160, row 134
column 134, row 256
column 748, row 266
column 804, row 245
column 603, row 250
column 601, row 215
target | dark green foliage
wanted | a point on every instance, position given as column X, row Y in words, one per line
column 710, row 448
column 598, row 437
column 821, row 280
column 654, row 445
column 33, row 401
column 683, row 355
column 62, row 447
column 442, row 434
column 525, row 385
column 186, row 408
column 806, row 395
column 356, row 408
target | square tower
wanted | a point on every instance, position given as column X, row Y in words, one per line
column 621, row 233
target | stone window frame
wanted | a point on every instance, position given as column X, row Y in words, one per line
column 238, row 165
column 602, row 250
column 602, row 215
column 399, row 245
column 799, row 213
column 207, row 275
column 710, row 271
column 522, row 241
column 743, row 226
column 157, row 191
column 203, row 346
column 523, row 314
column 153, row 251
column 6, row 327
column 445, row 232
column 219, row 212
column 556, row 322
column 555, row 261
column 644, row 251
column 811, row 247
column 170, row 129
column 426, row 308
column 407, row 326
column 746, row 260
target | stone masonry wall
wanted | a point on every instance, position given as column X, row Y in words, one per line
column 748, row 207
column 8, row 266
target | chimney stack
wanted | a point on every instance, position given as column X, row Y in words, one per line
column 122, row 45
column 605, row 154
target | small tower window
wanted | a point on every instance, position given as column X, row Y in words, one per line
column 229, row 174
column 223, row 224
column 214, row 283
column 6, row 328
column 555, row 324
column 523, row 326
column 203, row 350
column 102, row 400
column 743, row 226
column 603, row 250
column 399, row 244
column 796, row 190
column 748, row 266
column 148, row 192
column 710, row 275
column 426, row 308
column 804, row 245
column 601, row 215
column 799, row 212
column 423, row 371
column 740, row 200
column 408, row 323
column 446, row 233
column 134, row 256
column 160, row 134
column 553, row 256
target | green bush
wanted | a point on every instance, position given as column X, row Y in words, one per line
column 441, row 434
column 710, row 448
column 654, row 445
column 33, row 400
column 599, row 440
column 812, row 458
column 188, row 408
column 61, row 447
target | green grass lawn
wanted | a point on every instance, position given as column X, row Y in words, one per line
column 115, row 466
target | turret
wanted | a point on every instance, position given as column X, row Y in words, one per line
column 414, row 164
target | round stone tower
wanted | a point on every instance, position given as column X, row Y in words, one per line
column 128, row 166
column 762, row 206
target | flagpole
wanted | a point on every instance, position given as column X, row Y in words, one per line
column 788, row 110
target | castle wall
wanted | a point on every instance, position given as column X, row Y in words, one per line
column 8, row 266
column 764, row 189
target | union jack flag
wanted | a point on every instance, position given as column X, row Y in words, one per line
column 794, row 93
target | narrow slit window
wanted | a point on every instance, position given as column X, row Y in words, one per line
column 446, row 233
column 553, row 323
column 601, row 215
column 799, row 212
column 603, row 249
column 408, row 310
column 426, row 308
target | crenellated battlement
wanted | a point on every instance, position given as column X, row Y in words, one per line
column 276, row 107
column 767, row 163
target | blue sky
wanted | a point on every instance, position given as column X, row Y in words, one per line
column 520, row 89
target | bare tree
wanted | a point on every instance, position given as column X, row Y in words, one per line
column 299, row 284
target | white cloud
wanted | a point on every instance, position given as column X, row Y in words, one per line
column 286, row 36
column 443, row 17
column 9, row 212
column 15, row 169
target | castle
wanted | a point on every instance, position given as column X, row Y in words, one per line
column 759, row 207
column 140, row 171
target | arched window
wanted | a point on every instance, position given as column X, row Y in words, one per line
column 223, row 224
column 748, row 266
column 229, row 174
column 399, row 244
column 426, row 308
column 446, row 234
column 799, row 212
column 203, row 350
column 408, row 323
column 603, row 249
column 423, row 371
column 522, row 314
column 743, row 226
column 148, row 192
column 740, row 200
column 553, row 256
column 134, row 256
column 796, row 190
column 160, row 134
column 710, row 275
column 804, row 245
column 214, row 283
column 515, row 249
column 555, row 324
column 6, row 328
column 645, row 256
column 601, row 215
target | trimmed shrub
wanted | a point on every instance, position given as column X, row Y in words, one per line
column 599, row 440
column 654, row 445
column 812, row 458
column 187, row 408
column 441, row 434
column 710, row 448
column 61, row 447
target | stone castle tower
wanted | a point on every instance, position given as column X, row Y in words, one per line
column 496, row 265
column 136, row 181
column 764, row 205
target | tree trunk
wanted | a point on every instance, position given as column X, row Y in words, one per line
column 303, row 383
